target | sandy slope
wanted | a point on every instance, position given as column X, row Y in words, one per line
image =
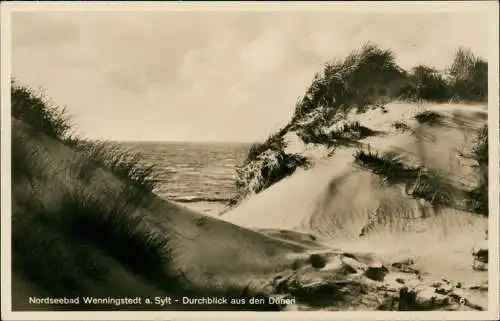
column 299, row 201
column 207, row 253
column 335, row 199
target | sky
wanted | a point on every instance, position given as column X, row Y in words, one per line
column 210, row 76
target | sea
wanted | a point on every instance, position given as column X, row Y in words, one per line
column 200, row 176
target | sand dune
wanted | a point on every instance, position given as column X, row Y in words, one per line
column 336, row 199
column 314, row 200
column 206, row 256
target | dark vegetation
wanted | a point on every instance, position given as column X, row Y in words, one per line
column 420, row 181
column 429, row 117
column 400, row 125
column 346, row 134
column 465, row 80
column 69, row 235
column 274, row 143
column 82, row 216
column 427, row 184
column 35, row 110
column 125, row 164
column 369, row 78
column 39, row 112
column 271, row 171
column 478, row 197
column 427, row 84
column 61, row 226
column 469, row 77
column 365, row 77
column 389, row 166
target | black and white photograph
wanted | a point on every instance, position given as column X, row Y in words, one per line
column 275, row 158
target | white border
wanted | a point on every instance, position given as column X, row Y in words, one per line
column 488, row 7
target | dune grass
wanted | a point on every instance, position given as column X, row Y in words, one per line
column 478, row 197
column 389, row 166
column 346, row 134
column 426, row 83
column 429, row 117
column 127, row 165
column 81, row 216
column 36, row 240
column 369, row 78
column 35, row 109
column 44, row 116
column 466, row 80
column 270, row 167
column 71, row 236
column 60, row 221
column 273, row 164
column 115, row 228
column 274, row 142
column 65, row 233
column 401, row 125
column 269, row 163
column 428, row 184
column 363, row 78
column 424, row 183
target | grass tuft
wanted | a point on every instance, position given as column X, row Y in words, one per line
column 429, row 117
column 37, row 238
column 70, row 234
column 42, row 115
column 401, row 125
column 274, row 143
column 422, row 182
column 117, row 229
column 127, row 165
column 389, row 166
column 265, row 164
column 346, row 134
column 365, row 77
column 36, row 110
column 478, row 197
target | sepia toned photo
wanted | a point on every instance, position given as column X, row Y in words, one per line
column 284, row 159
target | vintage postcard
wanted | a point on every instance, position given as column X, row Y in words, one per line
column 250, row 160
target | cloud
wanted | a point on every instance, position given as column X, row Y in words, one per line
column 209, row 75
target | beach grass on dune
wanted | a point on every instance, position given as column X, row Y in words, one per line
column 429, row 117
column 43, row 115
column 401, row 125
column 65, row 232
column 50, row 225
column 276, row 164
column 113, row 227
column 346, row 134
column 366, row 78
column 37, row 242
column 419, row 181
column 35, row 109
column 61, row 221
column 356, row 82
column 478, row 197
column 125, row 164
